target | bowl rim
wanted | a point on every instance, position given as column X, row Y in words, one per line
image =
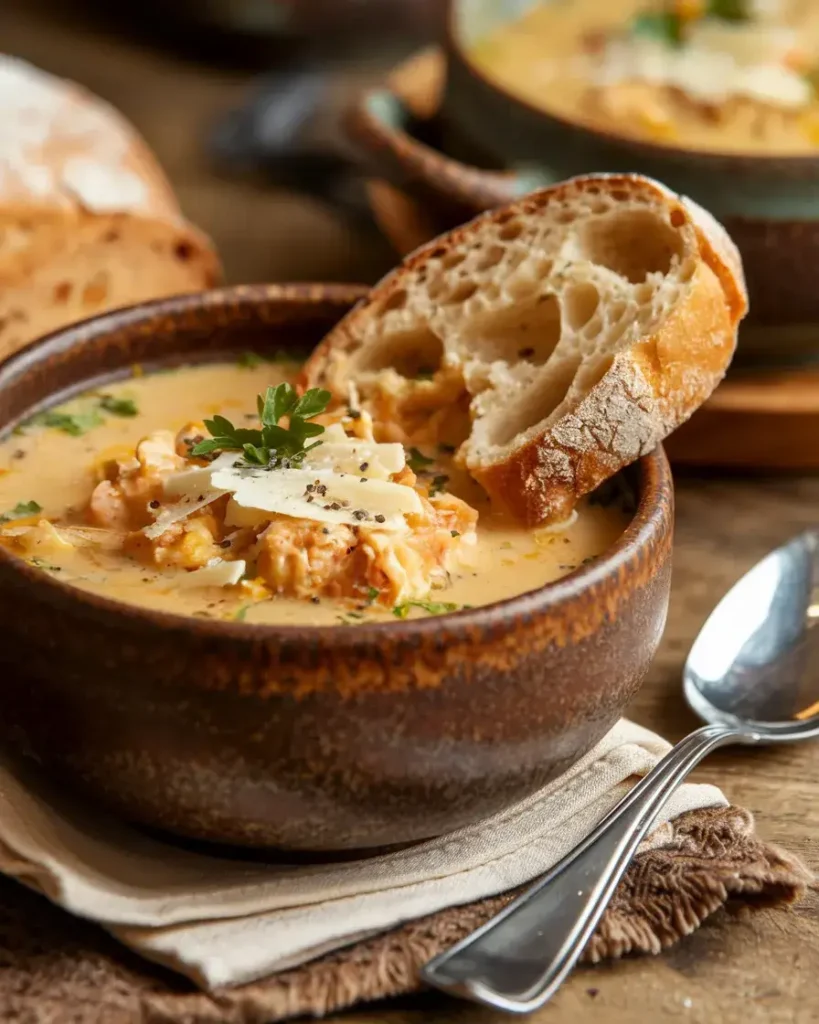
column 652, row 518
column 454, row 48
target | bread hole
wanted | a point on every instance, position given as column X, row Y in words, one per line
column 96, row 291
column 183, row 251
column 491, row 258
column 436, row 288
column 537, row 404
column 531, row 325
column 632, row 243
column 62, row 292
column 460, row 293
column 397, row 300
column 112, row 235
column 591, row 374
column 580, row 302
column 452, row 260
column 509, row 232
column 412, row 354
column 643, row 294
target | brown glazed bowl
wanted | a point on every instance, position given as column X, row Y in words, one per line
column 320, row 738
column 476, row 146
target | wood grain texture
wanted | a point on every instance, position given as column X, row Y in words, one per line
column 758, row 968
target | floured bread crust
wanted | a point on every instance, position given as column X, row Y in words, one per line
column 88, row 220
column 585, row 322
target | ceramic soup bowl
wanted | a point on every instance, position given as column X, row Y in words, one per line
column 769, row 204
column 309, row 738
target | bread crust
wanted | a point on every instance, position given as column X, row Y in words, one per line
column 650, row 387
column 74, row 169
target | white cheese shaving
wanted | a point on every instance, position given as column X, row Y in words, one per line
column 217, row 573
column 171, row 514
column 717, row 62
column 284, row 492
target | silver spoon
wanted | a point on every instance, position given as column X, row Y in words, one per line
column 753, row 676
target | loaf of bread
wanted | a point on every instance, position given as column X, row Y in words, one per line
column 582, row 324
column 88, row 220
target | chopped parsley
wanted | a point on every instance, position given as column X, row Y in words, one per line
column 249, row 360
column 241, row 613
column 454, row 533
column 373, row 594
column 74, row 423
column 438, row 484
column 424, row 374
column 272, row 445
column 664, row 26
column 21, row 510
column 401, row 611
column 417, row 461
column 119, row 406
column 729, row 10
column 252, row 360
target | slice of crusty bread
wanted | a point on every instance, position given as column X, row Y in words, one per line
column 585, row 321
column 88, row 220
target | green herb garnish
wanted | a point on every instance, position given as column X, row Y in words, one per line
column 454, row 533
column 372, row 594
column 728, row 10
column 251, row 360
column 21, row 510
column 424, row 374
column 664, row 26
column 401, row 611
column 74, row 423
column 417, row 461
column 119, row 406
column 241, row 613
column 272, row 445
column 438, row 484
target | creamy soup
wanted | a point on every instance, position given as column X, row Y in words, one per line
column 719, row 75
column 146, row 530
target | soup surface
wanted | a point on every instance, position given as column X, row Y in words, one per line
column 718, row 75
column 75, row 501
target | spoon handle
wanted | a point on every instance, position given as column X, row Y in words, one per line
column 519, row 959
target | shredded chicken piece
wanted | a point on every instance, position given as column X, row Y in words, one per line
column 293, row 557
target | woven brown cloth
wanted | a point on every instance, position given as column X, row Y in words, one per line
column 55, row 969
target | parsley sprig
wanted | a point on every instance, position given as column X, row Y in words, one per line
column 274, row 444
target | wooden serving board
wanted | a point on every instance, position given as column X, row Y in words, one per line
column 763, row 421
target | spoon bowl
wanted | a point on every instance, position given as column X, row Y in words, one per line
column 755, row 664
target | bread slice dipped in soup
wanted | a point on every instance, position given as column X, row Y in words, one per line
column 266, row 492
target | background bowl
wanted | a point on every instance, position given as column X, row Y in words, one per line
column 318, row 739
column 488, row 146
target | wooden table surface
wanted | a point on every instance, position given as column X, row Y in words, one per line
column 740, row 967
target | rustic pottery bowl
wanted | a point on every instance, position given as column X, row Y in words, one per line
column 498, row 146
column 322, row 738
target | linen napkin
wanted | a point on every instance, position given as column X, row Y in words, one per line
column 227, row 922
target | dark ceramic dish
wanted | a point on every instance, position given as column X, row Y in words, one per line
column 326, row 738
column 769, row 204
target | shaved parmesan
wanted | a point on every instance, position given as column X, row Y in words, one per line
column 217, row 573
column 345, row 499
column 181, row 510
column 362, row 458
